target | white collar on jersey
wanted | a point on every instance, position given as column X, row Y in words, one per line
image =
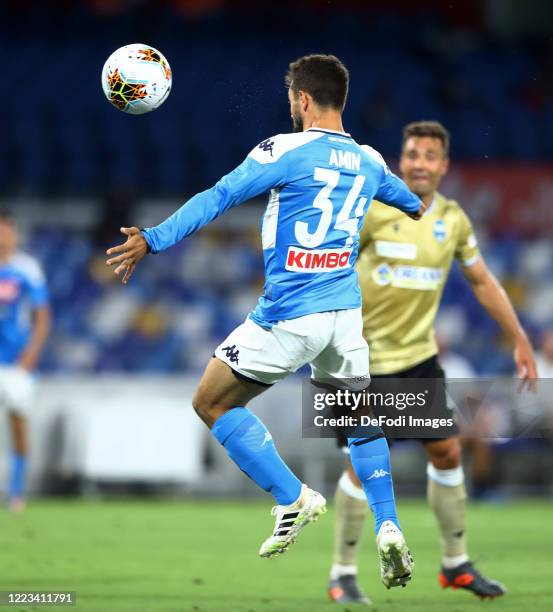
column 318, row 129
column 431, row 205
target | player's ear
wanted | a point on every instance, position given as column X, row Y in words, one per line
column 305, row 100
column 445, row 165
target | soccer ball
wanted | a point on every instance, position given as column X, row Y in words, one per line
column 136, row 79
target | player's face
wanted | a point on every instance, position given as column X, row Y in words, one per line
column 295, row 111
column 423, row 164
column 8, row 238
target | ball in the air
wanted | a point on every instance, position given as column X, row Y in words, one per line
column 136, row 79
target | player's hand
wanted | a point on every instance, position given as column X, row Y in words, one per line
column 420, row 212
column 525, row 363
column 128, row 254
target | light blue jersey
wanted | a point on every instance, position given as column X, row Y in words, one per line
column 321, row 184
column 22, row 288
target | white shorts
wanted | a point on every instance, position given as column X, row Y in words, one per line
column 331, row 343
column 16, row 390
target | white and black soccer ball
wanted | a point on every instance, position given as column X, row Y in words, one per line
column 136, row 79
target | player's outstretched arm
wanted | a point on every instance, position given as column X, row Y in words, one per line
column 197, row 212
column 125, row 256
column 258, row 173
column 420, row 212
column 492, row 296
column 393, row 191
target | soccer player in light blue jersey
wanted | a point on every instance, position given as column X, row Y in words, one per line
column 320, row 184
column 24, row 325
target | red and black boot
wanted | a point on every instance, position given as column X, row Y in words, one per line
column 466, row 576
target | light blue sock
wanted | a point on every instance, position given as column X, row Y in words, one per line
column 250, row 445
column 371, row 462
column 18, row 471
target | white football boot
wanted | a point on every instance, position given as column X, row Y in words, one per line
column 290, row 520
column 396, row 562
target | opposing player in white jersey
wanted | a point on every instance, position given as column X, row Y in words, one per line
column 24, row 324
column 321, row 183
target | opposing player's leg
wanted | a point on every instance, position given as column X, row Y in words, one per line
column 221, row 399
column 346, row 361
column 447, row 497
column 351, row 512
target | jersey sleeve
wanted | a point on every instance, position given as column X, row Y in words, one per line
column 392, row 190
column 467, row 252
column 258, row 173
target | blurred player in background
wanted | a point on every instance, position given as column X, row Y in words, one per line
column 402, row 269
column 321, row 182
column 24, row 326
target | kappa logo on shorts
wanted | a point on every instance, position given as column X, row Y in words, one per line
column 232, row 353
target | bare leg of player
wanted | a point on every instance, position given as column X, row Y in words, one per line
column 220, row 391
column 220, row 401
column 18, row 467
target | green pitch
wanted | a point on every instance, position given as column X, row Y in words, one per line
column 202, row 557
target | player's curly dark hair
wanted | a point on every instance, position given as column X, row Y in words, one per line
column 323, row 77
column 430, row 129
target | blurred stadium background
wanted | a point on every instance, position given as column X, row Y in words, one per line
column 121, row 364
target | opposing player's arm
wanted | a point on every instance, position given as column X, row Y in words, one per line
column 258, row 173
column 393, row 191
column 493, row 298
